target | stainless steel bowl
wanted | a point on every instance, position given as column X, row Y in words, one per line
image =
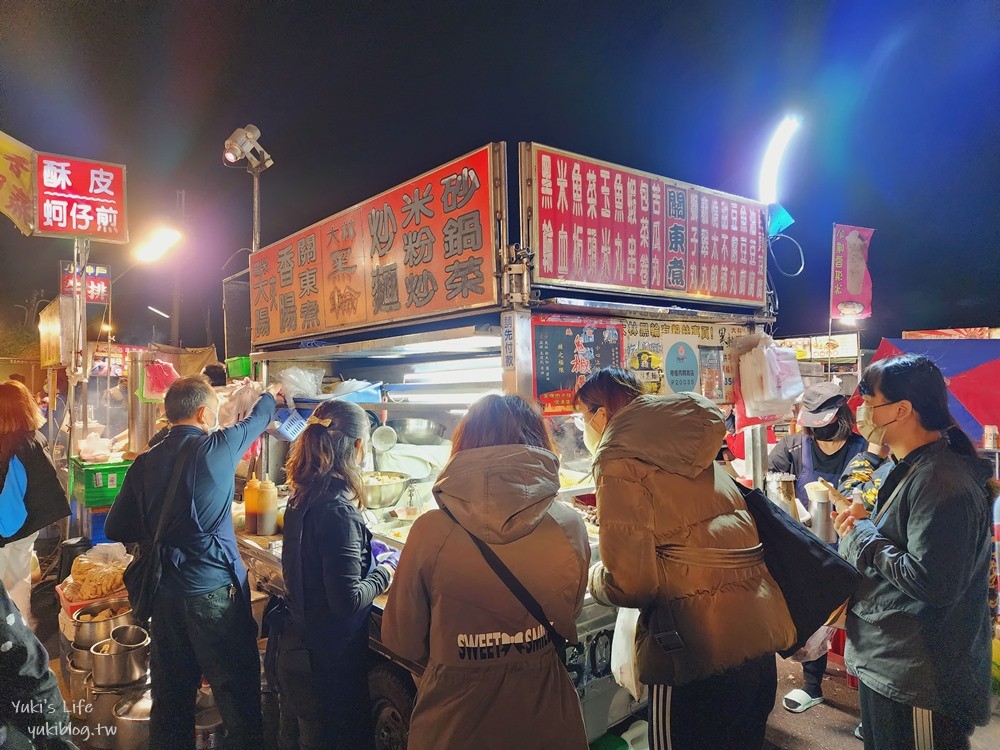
column 89, row 633
column 387, row 493
column 417, row 431
column 124, row 668
column 81, row 657
column 126, row 637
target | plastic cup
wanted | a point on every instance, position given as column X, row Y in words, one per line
column 817, row 492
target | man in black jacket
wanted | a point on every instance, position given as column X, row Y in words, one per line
column 202, row 623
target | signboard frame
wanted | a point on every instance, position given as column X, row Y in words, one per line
column 91, row 235
column 531, row 230
column 495, row 184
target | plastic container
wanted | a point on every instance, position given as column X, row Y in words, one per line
column 251, row 504
column 288, row 425
column 267, row 518
column 70, row 607
column 636, row 736
column 96, row 485
column 238, row 367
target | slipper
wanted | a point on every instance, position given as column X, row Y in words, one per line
column 859, row 732
column 798, row 701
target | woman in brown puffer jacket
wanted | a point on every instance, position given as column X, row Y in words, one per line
column 678, row 543
column 493, row 680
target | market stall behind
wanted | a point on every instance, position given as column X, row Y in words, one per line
column 414, row 304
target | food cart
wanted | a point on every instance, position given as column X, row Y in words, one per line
column 418, row 294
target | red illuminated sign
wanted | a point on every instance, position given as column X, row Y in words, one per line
column 601, row 226
column 95, row 278
column 80, row 198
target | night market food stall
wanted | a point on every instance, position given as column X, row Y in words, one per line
column 414, row 304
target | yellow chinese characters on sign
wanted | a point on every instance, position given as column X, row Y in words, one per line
column 425, row 247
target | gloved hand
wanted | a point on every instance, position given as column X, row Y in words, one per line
column 384, row 554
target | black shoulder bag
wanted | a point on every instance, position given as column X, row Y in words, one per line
column 814, row 579
column 142, row 576
column 517, row 589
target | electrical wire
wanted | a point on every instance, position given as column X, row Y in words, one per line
column 777, row 265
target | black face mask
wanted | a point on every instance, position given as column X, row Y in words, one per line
column 827, row 432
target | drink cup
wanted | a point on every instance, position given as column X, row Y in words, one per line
column 817, row 493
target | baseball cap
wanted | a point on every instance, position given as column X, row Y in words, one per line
column 820, row 403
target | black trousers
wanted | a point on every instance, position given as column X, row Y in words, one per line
column 213, row 635
column 812, row 675
column 725, row 712
column 324, row 696
column 896, row 726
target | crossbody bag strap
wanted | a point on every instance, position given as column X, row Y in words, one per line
column 893, row 495
column 175, row 479
column 515, row 587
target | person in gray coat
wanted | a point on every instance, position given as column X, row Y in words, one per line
column 919, row 627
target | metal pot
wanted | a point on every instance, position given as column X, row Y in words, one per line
column 417, row 431
column 80, row 657
column 131, row 716
column 89, row 633
column 101, row 718
column 126, row 637
column 387, row 493
column 77, row 689
column 208, row 729
column 123, row 668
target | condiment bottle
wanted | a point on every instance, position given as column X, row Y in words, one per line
column 251, row 504
column 267, row 509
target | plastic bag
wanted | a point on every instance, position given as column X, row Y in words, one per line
column 770, row 381
column 817, row 645
column 623, row 655
column 301, row 382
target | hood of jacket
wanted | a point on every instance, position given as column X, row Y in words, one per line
column 680, row 433
column 499, row 493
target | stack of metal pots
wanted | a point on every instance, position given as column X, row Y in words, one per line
column 110, row 665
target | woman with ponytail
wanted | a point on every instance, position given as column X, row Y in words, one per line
column 919, row 628
column 331, row 577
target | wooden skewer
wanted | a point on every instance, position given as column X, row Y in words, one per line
column 839, row 500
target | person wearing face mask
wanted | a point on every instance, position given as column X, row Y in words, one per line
column 822, row 450
column 677, row 542
column 332, row 576
column 919, row 627
column 202, row 623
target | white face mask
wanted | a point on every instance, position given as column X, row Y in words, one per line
column 214, row 427
column 591, row 435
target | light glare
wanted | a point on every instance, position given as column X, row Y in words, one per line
column 768, row 187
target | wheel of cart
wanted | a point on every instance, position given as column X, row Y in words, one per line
column 393, row 694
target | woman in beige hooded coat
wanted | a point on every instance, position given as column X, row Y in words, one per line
column 678, row 542
column 493, row 679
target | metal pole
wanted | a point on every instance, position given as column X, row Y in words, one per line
column 175, row 317
column 255, row 243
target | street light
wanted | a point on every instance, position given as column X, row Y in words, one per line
column 768, row 186
column 159, row 242
column 243, row 144
column 158, row 312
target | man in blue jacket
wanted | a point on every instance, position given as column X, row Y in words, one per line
column 201, row 622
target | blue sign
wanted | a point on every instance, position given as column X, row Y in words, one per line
column 681, row 367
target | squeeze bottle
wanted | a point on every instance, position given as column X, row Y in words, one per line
column 251, row 504
column 267, row 509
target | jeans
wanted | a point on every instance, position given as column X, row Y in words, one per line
column 214, row 635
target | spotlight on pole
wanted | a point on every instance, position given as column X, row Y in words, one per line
column 780, row 219
column 243, row 144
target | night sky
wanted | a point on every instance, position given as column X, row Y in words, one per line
column 900, row 104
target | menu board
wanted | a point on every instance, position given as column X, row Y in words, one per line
column 598, row 225
column 565, row 352
column 425, row 247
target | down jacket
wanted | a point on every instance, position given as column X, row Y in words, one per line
column 660, row 497
column 493, row 679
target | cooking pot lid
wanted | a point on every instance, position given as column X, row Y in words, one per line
column 208, row 718
column 136, row 706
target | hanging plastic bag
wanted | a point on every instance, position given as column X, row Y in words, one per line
column 770, row 381
column 157, row 377
column 817, row 645
column 624, row 667
column 301, row 382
